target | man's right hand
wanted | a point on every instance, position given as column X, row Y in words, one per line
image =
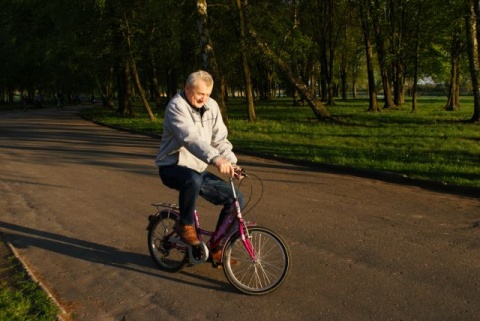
column 224, row 166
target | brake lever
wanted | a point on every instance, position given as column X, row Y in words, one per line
column 240, row 173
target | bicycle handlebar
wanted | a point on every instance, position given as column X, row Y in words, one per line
column 239, row 173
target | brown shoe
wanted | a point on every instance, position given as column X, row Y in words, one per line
column 188, row 234
column 217, row 258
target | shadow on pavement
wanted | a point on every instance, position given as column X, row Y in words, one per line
column 23, row 237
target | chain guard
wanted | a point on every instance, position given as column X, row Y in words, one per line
column 198, row 253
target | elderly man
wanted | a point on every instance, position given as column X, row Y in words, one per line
column 194, row 136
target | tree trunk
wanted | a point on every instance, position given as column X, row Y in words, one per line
column 172, row 82
column 124, row 90
column 397, row 32
column 208, row 57
column 271, row 93
column 388, row 100
column 141, row 91
column 344, row 78
column 106, row 89
column 133, row 67
column 354, row 81
column 107, row 98
column 315, row 104
column 155, row 86
column 323, row 82
column 415, row 68
column 456, row 50
column 372, row 91
column 324, row 38
column 472, row 45
column 331, row 84
column 246, row 68
column 398, row 83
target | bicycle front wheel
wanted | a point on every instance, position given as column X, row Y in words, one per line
column 262, row 275
column 169, row 256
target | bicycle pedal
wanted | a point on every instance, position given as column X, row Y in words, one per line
column 198, row 253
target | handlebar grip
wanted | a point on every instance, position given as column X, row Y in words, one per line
column 239, row 172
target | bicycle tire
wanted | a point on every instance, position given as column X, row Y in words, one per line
column 269, row 270
column 168, row 257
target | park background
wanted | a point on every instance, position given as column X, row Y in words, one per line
column 387, row 85
column 378, row 85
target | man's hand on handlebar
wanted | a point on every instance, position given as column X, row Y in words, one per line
column 224, row 166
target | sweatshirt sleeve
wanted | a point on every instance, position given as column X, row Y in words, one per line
column 219, row 138
column 182, row 126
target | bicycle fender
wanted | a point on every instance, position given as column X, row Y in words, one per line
column 154, row 217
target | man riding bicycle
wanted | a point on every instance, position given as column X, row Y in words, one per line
column 194, row 136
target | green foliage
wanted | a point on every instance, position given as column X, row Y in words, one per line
column 431, row 144
column 51, row 46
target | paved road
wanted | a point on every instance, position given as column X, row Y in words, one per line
column 75, row 199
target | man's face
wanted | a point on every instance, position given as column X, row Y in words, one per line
column 198, row 96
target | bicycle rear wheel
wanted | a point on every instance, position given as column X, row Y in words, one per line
column 169, row 256
column 267, row 272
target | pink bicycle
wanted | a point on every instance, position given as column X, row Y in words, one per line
column 255, row 259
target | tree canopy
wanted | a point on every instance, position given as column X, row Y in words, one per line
column 313, row 51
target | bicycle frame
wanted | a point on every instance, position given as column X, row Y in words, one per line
column 254, row 259
column 221, row 233
column 224, row 232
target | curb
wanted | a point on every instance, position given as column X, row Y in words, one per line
column 389, row 177
column 384, row 176
column 63, row 314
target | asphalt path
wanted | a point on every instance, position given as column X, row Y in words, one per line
column 75, row 198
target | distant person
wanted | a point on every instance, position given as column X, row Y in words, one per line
column 60, row 100
column 25, row 102
column 38, row 100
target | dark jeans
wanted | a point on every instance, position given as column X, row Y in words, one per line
column 191, row 184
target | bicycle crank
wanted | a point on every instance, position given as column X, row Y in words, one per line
column 198, row 253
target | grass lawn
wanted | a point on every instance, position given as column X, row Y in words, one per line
column 20, row 297
column 431, row 144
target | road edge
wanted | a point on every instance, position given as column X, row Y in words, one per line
column 389, row 177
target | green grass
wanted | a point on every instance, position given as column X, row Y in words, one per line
column 20, row 297
column 431, row 144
